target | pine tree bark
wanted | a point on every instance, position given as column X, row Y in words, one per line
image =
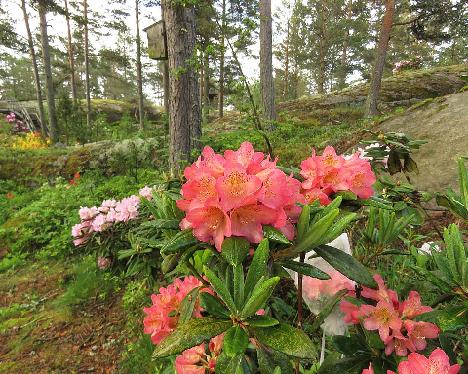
column 322, row 49
column 138, row 63
column 381, row 53
column 344, row 53
column 184, row 93
column 71, row 58
column 50, row 91
column 221, row 62
column 37, row 80
column 206, row 86
column 286, row 65
column 266, row 63
column 86, row 58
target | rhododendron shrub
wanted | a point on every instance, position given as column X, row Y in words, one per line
column 243, row 221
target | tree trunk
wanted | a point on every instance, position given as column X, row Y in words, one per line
column 37, row 80
column 206, row 84
column 286, row 65
column 344, row 52
column 381, row 52
column 138, row 60
column 184, row 99
column 165, row 65
column 86, row 58
column 71, row 59
column 221, row 63
column 50, row 92
column 266, row 65
column 322, row 50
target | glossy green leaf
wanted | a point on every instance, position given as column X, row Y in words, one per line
column 286, row 339
column 170, row 262
column 259, row 297
column 234, row 250
column 270, row 360
column 303, row 222
column 346, row 265
column 347, row 365
column 229, row 365
column 258, row 266
column 305, row 269
column 274, row 235
column 235, row 341
column 220, row 288
column 213, row 306
column 188, row 304
column 190, row 334
column 262, row 321
column 179, row 241
column 238, row 284
column 350, row 345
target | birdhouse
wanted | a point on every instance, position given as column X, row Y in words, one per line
column 157, row 46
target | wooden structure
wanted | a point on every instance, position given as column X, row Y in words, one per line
column 157, row 46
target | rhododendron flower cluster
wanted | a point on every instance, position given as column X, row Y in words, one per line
column 19, row 125
column 392, row 319
column 162, row 317
column 198, row 360
column 110, row 212
column 236, row 194
column 330, row 173
column 437, row 363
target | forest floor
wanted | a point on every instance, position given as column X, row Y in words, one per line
column 40, row 335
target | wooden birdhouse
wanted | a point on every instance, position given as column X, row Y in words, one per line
column 157, row 46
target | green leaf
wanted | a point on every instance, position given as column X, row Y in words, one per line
column 347, row 365
column 303, row 222
column 275, row 235
column 180, row 240
column 305, row 269
column 270, row 360
column 346, row 265
column 190, row 334
column 229, row 365
column 259, row 297
column 328, row 308
column 286, row 339
column 235, row 341
column 188, row 304
column 315, row 235
column 220, row 288
column 350, row 345
column 234, row 250
column 451, row 318
column 238, row 285
column 172, row 224
column 213, row 306
column 262, row 321
column 258, row 266
column 170, row 262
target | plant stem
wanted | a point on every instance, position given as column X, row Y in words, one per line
column 299, row 303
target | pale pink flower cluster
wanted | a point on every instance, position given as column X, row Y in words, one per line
column 198, row 360
column 236, row 194
column 437, row 363
column 19, row 125
column 162, row 317
column 392, row 319
column 331, row 173
column 110, row 212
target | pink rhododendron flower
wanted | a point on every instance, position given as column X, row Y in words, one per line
column 103, row 262
column 437, row 363
column 382, row 293
column 237, row 188
column 146, row 192
column 247, row 221
column 196, row 360
column 162, row 317
column 392, row 319
column 210, row 225
column 412, row 307
column 382, row 317
column 88, row 213
column 371, row 371
column 418, row 332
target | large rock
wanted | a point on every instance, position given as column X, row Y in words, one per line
column 443, row 122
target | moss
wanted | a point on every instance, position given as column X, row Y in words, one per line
column 13, row 322
column 421, row 104
column 7, row 366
